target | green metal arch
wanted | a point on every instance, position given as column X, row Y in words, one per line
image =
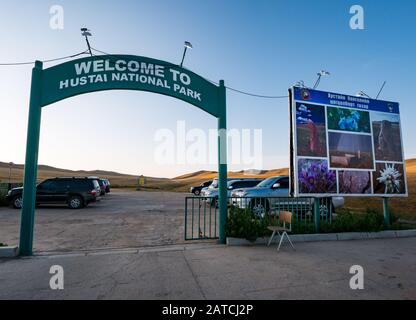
column 47, row 88
column 208, row 93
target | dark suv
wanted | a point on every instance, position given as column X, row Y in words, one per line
column 197, row 190
column 75, row 192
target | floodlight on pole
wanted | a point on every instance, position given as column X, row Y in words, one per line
column 363, row 94
column 87, row 33
column 321, row 74
column 187, row 46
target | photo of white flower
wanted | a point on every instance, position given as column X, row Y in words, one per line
column 389, row 179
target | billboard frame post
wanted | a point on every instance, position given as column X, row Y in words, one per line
column 317, row 213
column 386, row 212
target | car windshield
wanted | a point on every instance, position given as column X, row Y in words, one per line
column 267, row 183
column 214, row 184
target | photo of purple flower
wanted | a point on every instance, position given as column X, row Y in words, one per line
column 314, row 176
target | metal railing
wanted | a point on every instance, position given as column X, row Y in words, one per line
column 201, row 218
column 202, row 214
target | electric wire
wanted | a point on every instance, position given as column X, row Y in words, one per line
column 171, row 64
column 44, row 61
column 216, row 83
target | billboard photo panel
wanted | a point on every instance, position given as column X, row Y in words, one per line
column 387, row 137
column 354, row 182
column 344, row 119
column 345, row 145
column 389, row 178
column 311, row 130
column 350, row 151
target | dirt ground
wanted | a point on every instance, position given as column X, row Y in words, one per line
column 121, row 219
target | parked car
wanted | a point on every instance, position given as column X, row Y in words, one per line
column 257, row 198
column 102, row 187
column 107, row 185
column 75, row 192
column 213, row 191
column 197, row 190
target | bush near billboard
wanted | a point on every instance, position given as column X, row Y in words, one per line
column 345, row 145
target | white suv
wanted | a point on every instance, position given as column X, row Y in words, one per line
column 257, row 198
column 211, row 193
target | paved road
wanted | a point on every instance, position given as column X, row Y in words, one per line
column 314, row 271
column 121, row 219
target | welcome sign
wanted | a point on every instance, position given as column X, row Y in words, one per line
column 112, row 72
column 345, row 145
column 127, row 73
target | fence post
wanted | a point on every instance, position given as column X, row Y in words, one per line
column 317, row 213
column 386, row 212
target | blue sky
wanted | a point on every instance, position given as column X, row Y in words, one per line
column 258, row 46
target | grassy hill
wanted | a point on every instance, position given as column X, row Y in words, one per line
column 45, row 172
column 405, row 207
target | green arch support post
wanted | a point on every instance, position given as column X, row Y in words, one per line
column 116, row 72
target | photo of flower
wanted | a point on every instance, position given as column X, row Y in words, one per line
column 348, row 120
column 311, row 130
column 314, row 176
column 387, row 137
column 351, row 151
column 354, row 182
column 389, row 179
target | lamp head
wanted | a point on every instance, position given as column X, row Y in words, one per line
column 85, row 32
column 188, row 45
column 324, row 73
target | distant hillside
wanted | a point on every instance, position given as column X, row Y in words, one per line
column 406, row 207
column 45, row 172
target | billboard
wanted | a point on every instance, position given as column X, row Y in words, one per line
column 345, row 145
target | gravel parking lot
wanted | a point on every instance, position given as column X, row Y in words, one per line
column 121, row 219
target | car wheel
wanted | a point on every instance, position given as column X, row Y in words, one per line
column 197, row 193
column 260, row 207
column 17, row 202
column 75, row 202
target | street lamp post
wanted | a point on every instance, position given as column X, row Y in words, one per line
column 187, row 46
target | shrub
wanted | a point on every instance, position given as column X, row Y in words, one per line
column 371, row 221
column 244, row 224
column 3, row 201
column 302, row 227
